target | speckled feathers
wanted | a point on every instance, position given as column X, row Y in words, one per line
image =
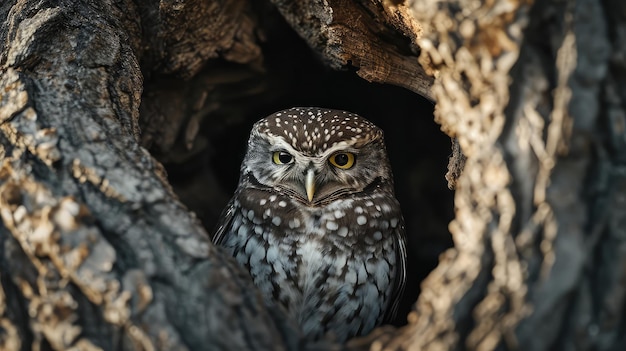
column 312, row 130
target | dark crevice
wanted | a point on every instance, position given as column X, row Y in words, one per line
column 295, row 76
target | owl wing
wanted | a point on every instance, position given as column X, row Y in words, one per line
column 400, row 280
column 224, row 223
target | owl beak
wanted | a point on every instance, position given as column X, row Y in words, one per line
column 309, row 184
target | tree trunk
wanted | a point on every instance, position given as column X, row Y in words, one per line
column 98, row 252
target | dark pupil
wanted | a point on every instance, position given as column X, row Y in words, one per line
column 341, row 159
column 284, row 157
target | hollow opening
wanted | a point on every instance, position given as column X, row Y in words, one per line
column 205, row 176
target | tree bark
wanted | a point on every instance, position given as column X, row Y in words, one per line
column 534, row 92
column 97, row 251
column 377, row 38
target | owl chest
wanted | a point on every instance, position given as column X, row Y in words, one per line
column 302, row 256
column 294, row 256
column 330, row 270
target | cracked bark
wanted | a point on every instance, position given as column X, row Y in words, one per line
column 97, row 252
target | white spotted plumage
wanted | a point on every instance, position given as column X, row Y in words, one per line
column 332, row 254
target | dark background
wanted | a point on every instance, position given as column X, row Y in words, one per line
column 293, row 75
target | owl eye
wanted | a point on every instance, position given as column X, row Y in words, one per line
column 281, row 158
column 343, row 160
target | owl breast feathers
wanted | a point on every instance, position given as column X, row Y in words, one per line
column 315, row 221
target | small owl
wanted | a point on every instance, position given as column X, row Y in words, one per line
column 315, row 221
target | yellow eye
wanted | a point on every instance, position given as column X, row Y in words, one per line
column 343, row 160
column 281, row 158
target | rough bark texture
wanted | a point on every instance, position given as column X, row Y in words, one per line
column 539, row 257
column 97, row 252
column 377, row 38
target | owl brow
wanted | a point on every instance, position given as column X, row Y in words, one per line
column 340, row 147
column 281, row 145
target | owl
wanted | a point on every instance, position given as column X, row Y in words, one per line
column 315, row 221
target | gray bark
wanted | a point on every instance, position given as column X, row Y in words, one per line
column 97, row 252
column 535, row 94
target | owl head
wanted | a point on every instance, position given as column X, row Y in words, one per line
column 316, row 155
